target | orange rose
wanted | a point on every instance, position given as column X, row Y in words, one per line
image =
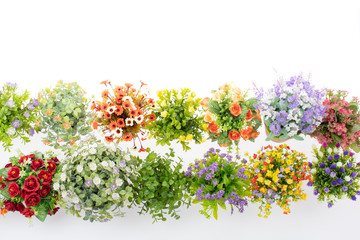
column 94, row 125
column 213, row 127
column 49, row 112
column 234, row 135
column 67, row 125
column 258, row 116
column 249, row 115
column 208, row 117
column 235, row 110
column 57, row 118
column 72, row 142
column 224, row 145
column 255, row 134
column 204, row 102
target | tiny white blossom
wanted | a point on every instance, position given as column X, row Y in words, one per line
column 97, row 180
column 64, row 194
column 108, row 191
column 127, row 158
column 92, row 166
column 347, row 178
column 313, row 171
column 11, row 131
column 331, row 197
column 329, row 150
column 22, row 173
column 63, row 177
column 84, row 154
column 79, row 168
column 129, row 122
column 64, row 168
column 119, row 182
column 139, row 119
column 56, row 186
column 339, row 164
column 113, row 148
column 127, row 98
column 321, row 154
column 76, row 200
column 104, row 164
column 115, row 196
column 111, row 164
column 92, row 151
column 315, row 160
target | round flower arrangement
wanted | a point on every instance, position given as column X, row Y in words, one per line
column 95, row 181
column 291, row 108
column 161, row 186
column 123, row 114
column 277, row 174
column 27, row 185
column 218, row 179
column 17, row 115
column 231, row 116
column 341, row 123
column 335, row 174
column 177, row 118
column 64, row 115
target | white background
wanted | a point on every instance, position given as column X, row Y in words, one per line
column 172, row 44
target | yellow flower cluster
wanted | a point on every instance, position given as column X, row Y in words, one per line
column 276, row 175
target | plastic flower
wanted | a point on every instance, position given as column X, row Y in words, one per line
column 291, row 108
column 123, row 113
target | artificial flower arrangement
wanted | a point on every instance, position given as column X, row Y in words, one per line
column 177, row 118
column 219, row 179
column 123, row 113
column 18, row 114
column 27, row 185
column 335, row 174
column 277, row 174
column 95, row 181
column 161, row 186
column 231, row 116
column 291, row 108
column 341, row 123
column 64, row 114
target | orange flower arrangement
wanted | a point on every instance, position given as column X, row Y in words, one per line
column 230, row 116
column 123, row 113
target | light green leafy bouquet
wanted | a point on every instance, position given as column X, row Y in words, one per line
column 17, row 115
column 64, row 114
column 95, row 181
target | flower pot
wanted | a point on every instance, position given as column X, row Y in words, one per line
column 274, row 139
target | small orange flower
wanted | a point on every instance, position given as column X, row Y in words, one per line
column 152, row 117
column 208, row 117
column 142, row 150
column 133, row 113
column 127, row 104
column 142, row 83
column 127, row 137
column 67, row 125
column 109, row 139
column 151, row 101
column 57, row 118
column 224, row 145
column 205, row 102
column 105, row 82
column 119, row 110
column 255, row 134
column 213, row 127
column 49, row 112
column 94, row 125
column 133, row 89
column 46, row 143
column 93, row 105
column 51, row 94
column 235, row 110
column 234, row 135
column 120, row 123
column 3, row 211
column 118, row 100
column 60, row 140
column 128, row 85
column 104, row 107
column 112, row 125
column 37, row 123
column 72, row 142
column 107, row 115
column 105, row 93
column 258, row 116
column 249, row 115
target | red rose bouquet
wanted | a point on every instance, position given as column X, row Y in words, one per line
column 26, row 186
column 122, row 114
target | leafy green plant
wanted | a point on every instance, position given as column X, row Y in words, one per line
column 65, row 114
column 160, row 188
column 95, row 181
column 178, row 117
column 18, row 114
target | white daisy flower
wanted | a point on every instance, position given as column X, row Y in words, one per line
column 315, row 160
column 63, row 177
column 104, row 164
column 119, row 182
column 111, row 164
column 84, row 154
column 127, row 158
column 76, row 200
column 56, row 186
column 115, row 196
column 79, row 168
column 329, row 150
column 64, row 168
column 347, row 178
column 118, row 133
column 127, row 169
column 127, row 98
column 108, row 191
column 92, row 166
column 92, row 151
column 139, row 119
column 111, row 109
column 321, row 154
column 64, row 194
column 97, row 180
column 11, row 131
column 313, row 171
column 129, row 122
column 339, row 164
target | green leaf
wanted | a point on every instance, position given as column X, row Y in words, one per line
column 42, row 212
column 5, row 193
column 355, row 128
column 270, row 136
column 353, row 106
column 214, row 107
column 355, row 147
column 297, row 137
column 4, row 172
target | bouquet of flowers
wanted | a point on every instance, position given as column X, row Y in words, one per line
column 123, row 114
column 17, row 115
column 291, row 108
column 95, row 181
column 276, row 176
column 217, row 179
column 178, row 118
column 161, row 187
column 64, row 114
column 231, row 116
column 27, row 185
column 335, row 174
column 341, row 123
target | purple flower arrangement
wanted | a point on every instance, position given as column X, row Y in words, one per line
column 335, row 174
column 291, row 108
column 18, row 115
column 219, row 179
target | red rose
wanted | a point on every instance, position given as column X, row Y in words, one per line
column 20, row 207
column 13, row 189
column 10, row 206
column 51, row 167
column 3, row 185
column 55, row 159
column 23, row 193
column 45, row 190
column 32, row 199
column 22, row 159
column 9, row 165
column 36, row 164
column 45, row 176
column 31, row 184
column 27, row 212
column 54, row 211
column 31, row 156
column 14, row 173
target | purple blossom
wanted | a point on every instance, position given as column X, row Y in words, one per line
column 207, row 196
column 223, row 155
column 282, row 117
column 316, row 192
column 329, row 205
column 309, row 184
column 350, row 164
column 197, row 165
column 351, row 154
column 31, row 132
column 338, row 145
column 88, row 182
column 10, row 103
column 333, row 166
column 336, row 156
column 275, row 128
column 344, row 188
column 342, row 170
column 357, row 192
column 340, row 181
column 310, row 164
column 16, row 123
column 332, row 174
column 209, row 176
column 188, row 172
column 322, row 165
column 326, row 190
column 353, row 198
column 13, row 85
column 26, row 114
column 35, row 102
column 113, row 186
column 324, row 144
column 30, row 107
column 346, row 152
column 220, row 194
column 327, row 170
column 215, row 182
column 330, row 158
column 334, row 183
column 353, row 174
